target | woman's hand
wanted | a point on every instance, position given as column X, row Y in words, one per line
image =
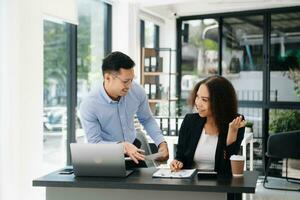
column 234, row 126
column 176, row 165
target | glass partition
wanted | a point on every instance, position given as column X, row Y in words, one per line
column 260, row 55
column 149, row 34
column 91, row 36
column 56, row 56
column 242, row 55
column 200, row 57
column 285, row 57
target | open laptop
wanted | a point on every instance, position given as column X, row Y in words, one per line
column 105, row 160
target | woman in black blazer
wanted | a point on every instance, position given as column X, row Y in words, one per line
column 215, row 100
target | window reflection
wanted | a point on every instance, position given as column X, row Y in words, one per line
column 242, row 52
column 200, row 58
column 55, row 92
column 200, row 48
column 90, row 51
column 149, row 34
column 285, row 56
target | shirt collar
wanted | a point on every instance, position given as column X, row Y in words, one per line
column 105, row 95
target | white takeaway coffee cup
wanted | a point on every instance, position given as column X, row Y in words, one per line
column 237, row 165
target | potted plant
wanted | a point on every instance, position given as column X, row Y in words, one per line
column 249, row 127
column 284, row 120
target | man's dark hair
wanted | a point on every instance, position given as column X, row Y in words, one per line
column 223, row 100
column 115, row 61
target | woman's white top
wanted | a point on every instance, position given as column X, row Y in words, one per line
column 204, row 157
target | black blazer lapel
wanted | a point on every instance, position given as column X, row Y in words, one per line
column 198, row 125
column 219, row 153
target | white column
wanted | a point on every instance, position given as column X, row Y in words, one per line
column 125, row 25
column 21, row 98
column 121, row 26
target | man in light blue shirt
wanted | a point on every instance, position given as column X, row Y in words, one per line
column 107, row 113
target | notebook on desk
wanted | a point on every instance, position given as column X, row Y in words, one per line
column 106, row 160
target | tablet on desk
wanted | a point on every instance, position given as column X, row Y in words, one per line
column 205, row 174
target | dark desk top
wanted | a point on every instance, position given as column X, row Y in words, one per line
column 141, row 179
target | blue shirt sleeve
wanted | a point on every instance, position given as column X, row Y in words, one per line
column 146, row 118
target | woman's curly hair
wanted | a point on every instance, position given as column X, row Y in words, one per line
column 223, row 100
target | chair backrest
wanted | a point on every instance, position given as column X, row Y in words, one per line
column 284, row 145
column 141, row 136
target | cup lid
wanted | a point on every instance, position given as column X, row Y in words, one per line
column 237, row 157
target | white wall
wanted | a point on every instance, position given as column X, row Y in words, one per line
column 21, row 92
column 125, row 30
column 124, row 27
column 21, row 102
column 21, row 88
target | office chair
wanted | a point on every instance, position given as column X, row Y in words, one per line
column 283, row 145
column 140, row 135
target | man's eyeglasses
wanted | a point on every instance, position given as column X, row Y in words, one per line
column 126, row 83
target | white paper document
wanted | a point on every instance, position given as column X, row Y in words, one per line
column 166, row 173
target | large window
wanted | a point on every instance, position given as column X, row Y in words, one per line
column 242, row 55
column 285, row 57
column 56, row 57
column 149, row 34
column 259, row 53
column 64, row 80
column 93, row 44
column 200, row 57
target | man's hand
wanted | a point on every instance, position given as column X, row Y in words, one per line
column 237, row 123
column 176, row 165
column 163, row 150
column 133, row 152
